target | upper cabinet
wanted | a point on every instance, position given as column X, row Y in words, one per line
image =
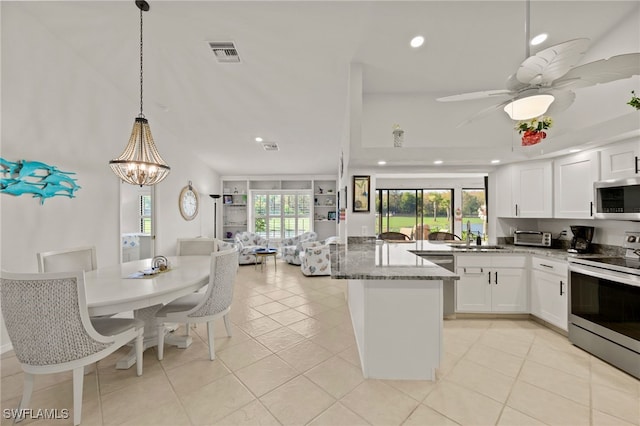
column 532, row 189
column 573, row 185
column 620, row 160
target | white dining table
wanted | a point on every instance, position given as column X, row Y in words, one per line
column 112, row 290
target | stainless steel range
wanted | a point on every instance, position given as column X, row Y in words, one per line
column 604, row 306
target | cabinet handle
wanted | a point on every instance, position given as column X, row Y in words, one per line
column 636, row 164
column 591, row 203
column 496, row 277
column 546, row 266
column 517, row 208
column 489, row 277
column 561, row 284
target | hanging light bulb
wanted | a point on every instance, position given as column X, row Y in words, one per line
column 140, row 163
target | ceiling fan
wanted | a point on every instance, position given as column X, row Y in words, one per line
column 547, row 78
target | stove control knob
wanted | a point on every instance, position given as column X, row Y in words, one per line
column 631, row 239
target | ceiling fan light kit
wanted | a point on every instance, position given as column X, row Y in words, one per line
column 529, row 107
column 140, row 163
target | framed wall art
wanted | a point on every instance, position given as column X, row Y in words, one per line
column 361, row 190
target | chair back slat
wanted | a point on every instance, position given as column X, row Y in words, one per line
column 196, row 246
column 73, row 259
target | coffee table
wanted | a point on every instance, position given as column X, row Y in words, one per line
column 263, row 254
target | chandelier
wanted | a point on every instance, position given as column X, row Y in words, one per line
column 140, row 163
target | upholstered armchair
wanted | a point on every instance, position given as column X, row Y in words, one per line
column 247, row 242
column 292, row 247
column 316, row 259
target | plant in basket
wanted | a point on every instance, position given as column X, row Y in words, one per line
column 635, row 101
column 533, row 131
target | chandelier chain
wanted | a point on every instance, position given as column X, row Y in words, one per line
column 141, row 80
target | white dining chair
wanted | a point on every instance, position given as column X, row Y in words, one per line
column 71, row 259
column 48, row 323
column 196, row 246
column 204, row 307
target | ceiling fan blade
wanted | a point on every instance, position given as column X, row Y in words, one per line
column 562, row 100
column 602, row 71
column 552, row 63
column 484, row 113
column 475, row 95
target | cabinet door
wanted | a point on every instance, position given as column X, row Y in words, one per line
column 509, row 291
column 573, row 177
column 501, row 188
column 473, row 291
column 620, row 161
column 549, row 298
column 532, row 190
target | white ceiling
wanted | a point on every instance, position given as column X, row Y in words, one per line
column 293, row 82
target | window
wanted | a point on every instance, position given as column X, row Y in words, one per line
column 281, row 214
column 474, row 211
column 145, row 214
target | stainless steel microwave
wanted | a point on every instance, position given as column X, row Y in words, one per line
column 618, row 199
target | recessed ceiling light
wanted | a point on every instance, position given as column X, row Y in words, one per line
column 382, row 163
column 574, row 150
column 259, row 139
column 438, row 162
column 538, row 39
column 417, row 41
column 495, row 161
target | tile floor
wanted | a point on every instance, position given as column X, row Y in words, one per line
column 292, row 360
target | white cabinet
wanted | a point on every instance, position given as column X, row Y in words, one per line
column 620, row 160
column 549, row 291
column 532, row 189
column 573, row 185
column 501, row 191
column 491, row 283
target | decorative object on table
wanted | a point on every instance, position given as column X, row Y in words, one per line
column 215, row 209
column 533, row 131
column 361, row 188
column 188, row 202
column 33, row 177
column 635, row 101
column 140, row 163
column 398, row 136
column 331, row 215
column 228, row 199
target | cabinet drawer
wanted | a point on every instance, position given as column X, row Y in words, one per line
column 555, row 267
column 508, row 261
column 492, row 260
column 475, row 260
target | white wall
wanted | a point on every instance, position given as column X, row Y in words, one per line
column 78, row 124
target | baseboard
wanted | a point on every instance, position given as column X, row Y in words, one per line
column 490, row 315
column 6, row 348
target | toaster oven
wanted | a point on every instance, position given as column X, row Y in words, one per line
column 532, row 238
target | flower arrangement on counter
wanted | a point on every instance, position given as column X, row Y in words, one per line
column 533, row 131
column 635, row 101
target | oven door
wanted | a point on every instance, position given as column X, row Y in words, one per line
column 606, row 303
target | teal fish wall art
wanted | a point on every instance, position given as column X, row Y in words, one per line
column 39, row 179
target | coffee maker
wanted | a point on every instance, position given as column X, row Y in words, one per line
column 581, row 241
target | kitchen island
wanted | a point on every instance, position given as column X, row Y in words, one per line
column 395, row 302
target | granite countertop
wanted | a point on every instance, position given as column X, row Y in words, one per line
column 371, row 261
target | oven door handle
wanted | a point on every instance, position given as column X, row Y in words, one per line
column 605, row 274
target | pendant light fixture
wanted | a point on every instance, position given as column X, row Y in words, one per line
column 140, row 163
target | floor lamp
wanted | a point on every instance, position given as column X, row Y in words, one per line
column 215, row 209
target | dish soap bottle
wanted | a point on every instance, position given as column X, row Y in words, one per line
column 478, row 240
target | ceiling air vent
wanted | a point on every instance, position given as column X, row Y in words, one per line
column 270, row 146
column 225, row 51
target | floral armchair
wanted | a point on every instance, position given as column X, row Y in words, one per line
column 247, row 242
column 292, row 247
column 316, row 259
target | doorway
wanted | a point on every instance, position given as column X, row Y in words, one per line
column 137, row 222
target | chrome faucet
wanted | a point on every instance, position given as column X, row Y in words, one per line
column 468, row 233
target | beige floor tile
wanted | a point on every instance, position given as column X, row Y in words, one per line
column 334, row 340
column 196, row 374
column 352, row 355
column 266, row 374
column 608, row 375
column 546, row 406
column 312, row 308
column 616, row 403
column 332, row 301
column 244, row 354
column 9, row 366
column 175, row 357
column 294, row 301
column 259, row 326
column 424, row 415
column 333, row 317
column 257, row 300
column 304, row 355
column 251, row 414
column 280, row 339
column 379, row 403
column 288, row 317
column 556, row 381
column 481, row 379
column 297, row 401
column 167, row 414
column 216, row 400
column 517, row 346
column 279, row 294
column 511, row 417
column 602, row 419
column 243, row 314
column 416, row 389
column 495, row 359
column 309, row 327
column 456, row 346
column 271, row 308
column 112, row 379
column 572, row 363
column 338, row 414
column 463, row 405
column 336, row 376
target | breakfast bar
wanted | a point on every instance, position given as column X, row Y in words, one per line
column 396, row 306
